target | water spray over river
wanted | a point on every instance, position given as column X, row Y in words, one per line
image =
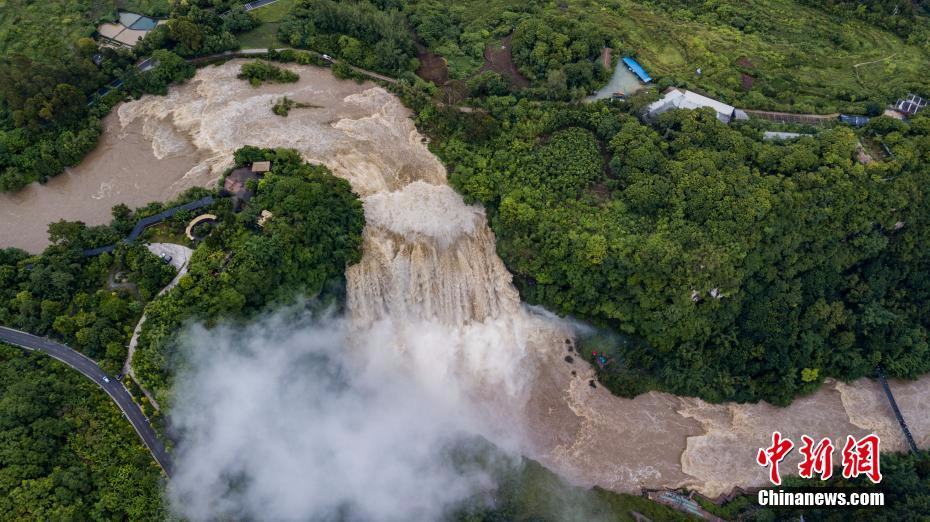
column 431, row 284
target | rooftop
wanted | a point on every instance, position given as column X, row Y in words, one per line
column 235, row 182
column 910, row 105
column 637, row 69
column 676, row 98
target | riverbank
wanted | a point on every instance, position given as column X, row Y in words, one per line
column 134, row 163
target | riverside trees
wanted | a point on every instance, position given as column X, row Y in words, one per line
column 50, row 110
column 372, row 35
column 241, row 268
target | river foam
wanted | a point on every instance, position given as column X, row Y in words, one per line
column 430, row 273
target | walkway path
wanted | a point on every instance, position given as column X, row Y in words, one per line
column 180, row 258
column 146, row 222
column 89, row 369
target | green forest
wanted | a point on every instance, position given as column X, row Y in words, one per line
column 242, row 268
column 777, row 55
column 729, row 268
column 91, row 303
column 710, row 263
column 67, row 453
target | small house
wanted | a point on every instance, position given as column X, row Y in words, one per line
column 261, row 167
column 637, row 69
column 236, row 185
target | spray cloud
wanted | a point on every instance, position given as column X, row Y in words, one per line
column 295, row 418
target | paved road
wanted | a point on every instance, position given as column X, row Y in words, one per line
column 89, row 369
column 263, row 51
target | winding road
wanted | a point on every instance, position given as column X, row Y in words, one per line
column 180, row 256
column 89, row 369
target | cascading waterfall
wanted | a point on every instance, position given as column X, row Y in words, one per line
column 431, row 286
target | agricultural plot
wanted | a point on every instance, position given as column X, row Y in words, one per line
column 266, row 35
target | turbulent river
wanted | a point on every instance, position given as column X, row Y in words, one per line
column 430, row 274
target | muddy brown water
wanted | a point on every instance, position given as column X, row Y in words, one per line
column 431, row 286
column 122, row 169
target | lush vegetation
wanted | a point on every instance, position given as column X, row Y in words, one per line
column 757, row 54
column 559, row 54
column 369, row 34
column 908, row 19
column 283, row 106
column 241, row 267
column 91, row 303
column 265, row 36
column 732, row 268
column 68, row 454
column 260, row 71
column 197, row 29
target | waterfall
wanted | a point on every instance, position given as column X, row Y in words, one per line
column 431, row 288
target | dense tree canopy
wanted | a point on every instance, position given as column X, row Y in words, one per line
column 67, row 453
column 259, row 71
column 734, row 268
column 369, row 34
column 77, row 298
column 241, row 267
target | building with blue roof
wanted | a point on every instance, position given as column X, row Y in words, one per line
column 637, row 69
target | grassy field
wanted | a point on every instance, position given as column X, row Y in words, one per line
column 796, row 58
column 39, row 28
column 266, row 35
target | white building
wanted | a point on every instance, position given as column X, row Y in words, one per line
column 675, row 98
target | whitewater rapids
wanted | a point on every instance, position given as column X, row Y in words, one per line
column 430, row 271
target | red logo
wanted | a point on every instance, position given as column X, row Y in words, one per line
column 816, row 460
column 860, row 457
column 774, row 454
